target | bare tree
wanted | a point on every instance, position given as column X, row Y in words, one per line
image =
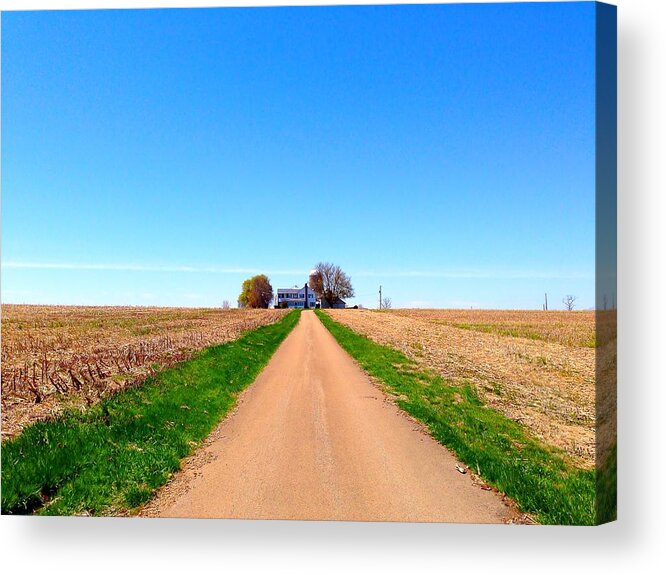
column 386, row 303
column 568, row 302
column 330, row 283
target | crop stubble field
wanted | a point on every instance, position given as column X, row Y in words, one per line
column 56, row 357
column 538, row 368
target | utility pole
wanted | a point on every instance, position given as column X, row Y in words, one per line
column 380, row 297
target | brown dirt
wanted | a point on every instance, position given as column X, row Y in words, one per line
column 549, row 387
column 313, row 438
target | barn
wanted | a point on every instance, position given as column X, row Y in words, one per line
column 337, row 303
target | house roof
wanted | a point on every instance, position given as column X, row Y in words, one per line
column 291, row 290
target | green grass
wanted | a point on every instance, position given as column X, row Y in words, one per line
column 541, row 479
column 112, row 457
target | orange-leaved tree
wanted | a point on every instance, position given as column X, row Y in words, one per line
column 256, row 292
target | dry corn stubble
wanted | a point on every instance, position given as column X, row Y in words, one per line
column 70, row 356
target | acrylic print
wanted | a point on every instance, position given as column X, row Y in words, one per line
column 350, row 263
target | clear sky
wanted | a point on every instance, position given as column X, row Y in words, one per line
column 160, row 157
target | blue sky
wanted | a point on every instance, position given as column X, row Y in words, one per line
column 160, row 157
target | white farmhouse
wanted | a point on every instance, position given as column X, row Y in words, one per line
column 295, row 297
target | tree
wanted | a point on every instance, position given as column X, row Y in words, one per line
column 330, row 283
column 225, row 304
column 568, row 302
column 386, row 303
column 257, row 292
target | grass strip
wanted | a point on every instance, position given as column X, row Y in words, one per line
column 538, row 477
column 112, row 457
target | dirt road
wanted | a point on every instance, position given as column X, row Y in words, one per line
column 313, row 438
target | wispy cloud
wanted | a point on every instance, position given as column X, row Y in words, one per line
column 215, row 269
column 475, row 274
column 143, row 268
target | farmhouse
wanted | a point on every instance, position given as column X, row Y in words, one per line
column 305, row 297
column 295, row 297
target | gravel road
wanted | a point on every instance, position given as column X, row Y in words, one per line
column 313, row 438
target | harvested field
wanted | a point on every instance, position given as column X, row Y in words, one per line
column 575, row 329
column 544, row 380
column 54, row 357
